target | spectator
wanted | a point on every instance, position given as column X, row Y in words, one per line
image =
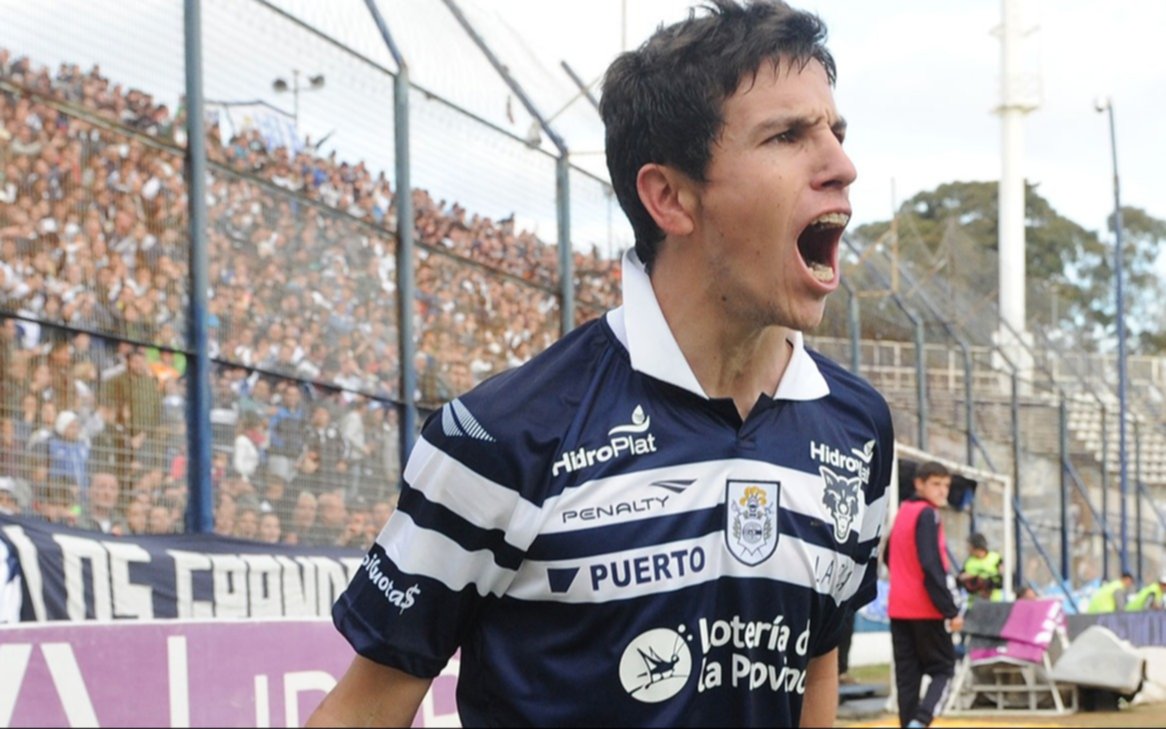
column 382, row 466
column 286, row 434
column 332, row 520
column 108, row 440
column 256, row 399
column 11, row 449
column 137, row 517
column 432, row 388
column 982, row 575
column 69, row 454
column 303, row 519
column 225, row 514
column 247, row 520
column 101, row 514
column 382, row 510
column 250, row 439
column 274, row 496
column 323, row 438
column 135, row 395
column 1111, row 597
column 309, row 474
column 9, row 502
column 355, row 534
column 1149, row 597
column 160, row 520
column 270, row 529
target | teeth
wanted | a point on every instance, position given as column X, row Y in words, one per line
column 822, row 272
column 831, row 220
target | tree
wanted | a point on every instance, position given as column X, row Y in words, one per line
column 948, row 250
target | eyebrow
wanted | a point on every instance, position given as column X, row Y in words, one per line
column 793, row 121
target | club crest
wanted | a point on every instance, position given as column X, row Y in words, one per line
column 751, row 519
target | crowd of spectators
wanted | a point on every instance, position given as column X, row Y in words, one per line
column 302, row 302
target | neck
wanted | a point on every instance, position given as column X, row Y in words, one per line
column 730, row 359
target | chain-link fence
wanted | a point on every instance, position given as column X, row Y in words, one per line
column 301, row 239
column 965, row 387
column 304, row 306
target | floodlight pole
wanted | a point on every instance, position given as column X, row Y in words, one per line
column 1122, row 384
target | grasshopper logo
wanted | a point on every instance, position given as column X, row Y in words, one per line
column 841, row 497
column 656, row 665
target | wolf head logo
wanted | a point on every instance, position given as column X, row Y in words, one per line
column 841, row 497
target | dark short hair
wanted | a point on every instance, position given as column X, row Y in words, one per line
column 929, row 469
column 978, row 541
column 663, row 102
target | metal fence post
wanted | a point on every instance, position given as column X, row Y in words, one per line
column 200, row 507
column 405, row 226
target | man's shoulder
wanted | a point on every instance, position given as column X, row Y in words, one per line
column 509, row 428
column 848, row 384
column 547, row 385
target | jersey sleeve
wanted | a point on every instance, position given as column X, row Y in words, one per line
column 455, row 541
column 865, row 553
column 875, row 515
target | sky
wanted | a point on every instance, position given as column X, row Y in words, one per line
column 918, row 81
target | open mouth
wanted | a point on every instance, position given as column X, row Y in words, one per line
column 819, row 241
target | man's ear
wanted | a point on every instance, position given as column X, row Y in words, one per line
column 669, row 197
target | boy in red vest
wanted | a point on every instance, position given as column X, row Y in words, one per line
column 924, row 604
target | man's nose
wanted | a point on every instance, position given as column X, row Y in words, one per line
column 836, row 170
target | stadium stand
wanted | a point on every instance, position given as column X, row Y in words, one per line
column 93, row 269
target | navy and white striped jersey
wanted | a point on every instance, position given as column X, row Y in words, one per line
column 608, row 545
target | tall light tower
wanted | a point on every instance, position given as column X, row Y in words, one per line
column 1018, row 96
column 1104, row 105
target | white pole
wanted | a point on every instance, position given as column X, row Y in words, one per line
column 1011, row 191
column 1015, row 102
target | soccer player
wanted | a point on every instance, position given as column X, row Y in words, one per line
column 666, row 517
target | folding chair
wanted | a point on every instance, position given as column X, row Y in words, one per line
column 1008, row 664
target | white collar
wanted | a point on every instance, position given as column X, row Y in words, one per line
column 642, row 330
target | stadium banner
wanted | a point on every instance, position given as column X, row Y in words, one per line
column 75, row 574
column 1142, row 629
column 181, row 673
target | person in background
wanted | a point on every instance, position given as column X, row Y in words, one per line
column 270, row 529
column 924, row 602
column 160, row 520
column 9, row 502
column 101, row 511
column 246, row 518
column 69, row 455
column 982, row 575
column 1149, row 597
column 1111, row 597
